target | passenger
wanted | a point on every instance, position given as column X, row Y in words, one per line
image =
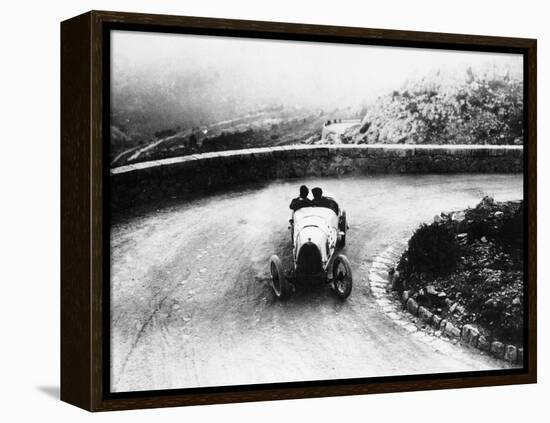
column 320, row 201
column 302, row 200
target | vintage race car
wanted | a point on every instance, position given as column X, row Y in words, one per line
column 317, row 233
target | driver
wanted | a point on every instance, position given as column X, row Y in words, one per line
column 301, row 201
column 320, row 201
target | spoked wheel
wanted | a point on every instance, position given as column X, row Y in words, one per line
column 341, row 276
column 281, row 287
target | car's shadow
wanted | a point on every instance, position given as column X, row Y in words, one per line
column 304, row 295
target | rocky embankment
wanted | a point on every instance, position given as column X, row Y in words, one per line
column 467, row 108
column 465, row 272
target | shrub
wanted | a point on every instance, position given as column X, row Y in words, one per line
column 432, row 250
column 483, row 274
column 511, row 230
column 507, row 229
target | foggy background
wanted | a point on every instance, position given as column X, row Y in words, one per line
column 177, row 94
column 199, row 79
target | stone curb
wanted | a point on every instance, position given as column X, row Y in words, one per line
column 382, row 277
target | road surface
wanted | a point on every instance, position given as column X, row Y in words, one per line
column 340, row 128
column 192, row 305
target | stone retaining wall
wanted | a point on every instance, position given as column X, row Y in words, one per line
column 181, row 177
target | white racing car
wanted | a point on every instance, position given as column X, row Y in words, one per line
column 317, row 233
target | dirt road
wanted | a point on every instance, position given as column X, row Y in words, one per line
column 192, row 305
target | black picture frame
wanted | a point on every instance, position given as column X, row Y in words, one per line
column 85, row 213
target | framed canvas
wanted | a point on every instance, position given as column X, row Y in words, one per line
column 260, row 210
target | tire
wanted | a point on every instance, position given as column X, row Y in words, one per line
column 341, row 277
column 343, row 227
column 279, row 283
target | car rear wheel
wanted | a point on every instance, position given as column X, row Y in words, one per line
column 343, row 228
column 341, row 276
column 279, row 283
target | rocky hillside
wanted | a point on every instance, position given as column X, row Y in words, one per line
column 472, row 107
column 468, row 266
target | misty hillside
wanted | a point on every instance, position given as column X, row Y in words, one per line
column 468, row 108
column 162, row 112
column 165, row 113
column 143, row 105
column 262, row 129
